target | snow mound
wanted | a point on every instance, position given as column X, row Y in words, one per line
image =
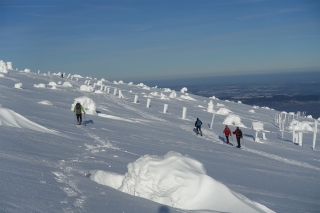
column 86, row 88
column 178, row 181
column 213, row 97
column 1, row 75
column 220, row 105
column 67, row 84
column 173, row 94
column 239, row 102
column 223, row 111
column 233, row 120
column 26, row 70
column 87, row 103
column 3, row 67
column 51, row 83
column 252, row 111
column 187, row 97
column 99, row 83
column 77, row 76
column 18, row 85
column 59, row 82
column 45, row 102
column 210, row 107
column 98, row 91
column 130, row 83
column 39, row 85
column 301, row 126
column 53, row 87
column 309, row 116
column 146, row 87
column 166, row 90
column 184, row 89
column 10, row 118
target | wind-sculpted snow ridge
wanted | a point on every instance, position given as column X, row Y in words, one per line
column 87, row 103
column 178, row 181
column 11, row 118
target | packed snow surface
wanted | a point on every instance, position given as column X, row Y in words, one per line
column 178, row 181
column 44, row 172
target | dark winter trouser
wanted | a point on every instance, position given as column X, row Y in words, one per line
column 198, row 128
column 227, row 137
column 79, row 118
column 238, row 140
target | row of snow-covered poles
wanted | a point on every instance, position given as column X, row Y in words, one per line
column 280, row 120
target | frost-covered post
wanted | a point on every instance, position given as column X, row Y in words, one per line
column 105, row 88
column 300, row 138
column 94, row 85
column 264, row 136
column 115, row 92
column 120, row 94
column 282, row 127
column 293, row 134
column 315, row 134
column 184, row 113
column 38, row 71
column 165, row 108
column 108, row 90
column 88, row 82
column 101, row 87
column 135, row 99
column 49, row 73
column 148, row 103
column 213, row 114
column 256, row 139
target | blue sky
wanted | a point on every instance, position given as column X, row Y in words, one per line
column 161, row 39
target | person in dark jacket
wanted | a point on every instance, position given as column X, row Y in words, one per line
column 198, row 124
column 238, row 134
column 227, row 133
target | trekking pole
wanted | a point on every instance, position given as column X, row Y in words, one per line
column 75, row 118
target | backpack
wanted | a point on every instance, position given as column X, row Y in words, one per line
column 78, row 108
column 199, row 123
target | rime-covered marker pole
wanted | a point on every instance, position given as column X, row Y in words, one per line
column 213, row 114
column 165, row 108
column 148, row 103
column 135, row 99
column 315, row 134
column 184, row 113
column 115, row 92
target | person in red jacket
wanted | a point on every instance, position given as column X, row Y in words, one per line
column 227, row 133
column 238, row 134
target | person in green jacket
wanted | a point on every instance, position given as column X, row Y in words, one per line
column 77, row 109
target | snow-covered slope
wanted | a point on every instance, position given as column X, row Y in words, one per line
column 130, row 158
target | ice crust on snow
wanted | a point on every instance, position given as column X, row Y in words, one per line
column 87, row 103
column 45, row 102
column 178, row 181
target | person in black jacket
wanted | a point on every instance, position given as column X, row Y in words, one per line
column 198, row 124
column 238, row 134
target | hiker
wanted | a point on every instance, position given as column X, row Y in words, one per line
column 227, row 133
column 198, row 124
column 61, row 75
column 77, row 109
column 238, row 134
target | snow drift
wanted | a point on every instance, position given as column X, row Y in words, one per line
column 10, row 118
column 233, row 120
column 87, row 103
column 86, row 88
column 223, row 111
column 178, row 181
